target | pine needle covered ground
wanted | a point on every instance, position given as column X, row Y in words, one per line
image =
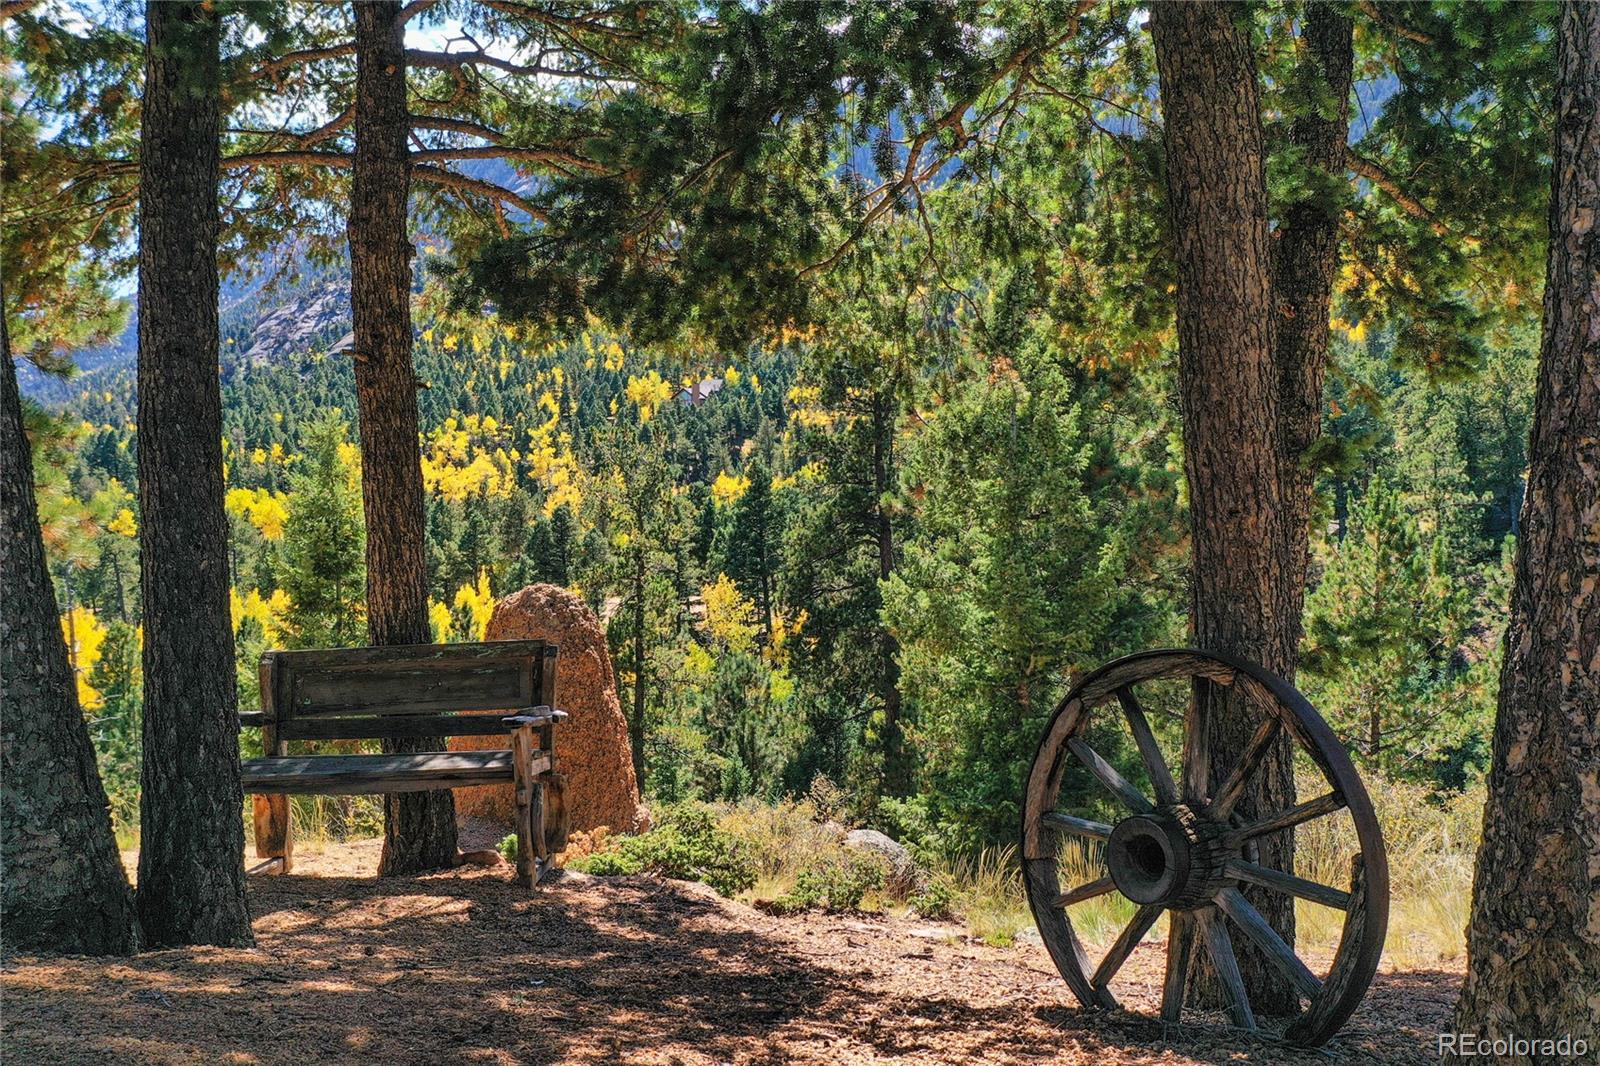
column 464, row 967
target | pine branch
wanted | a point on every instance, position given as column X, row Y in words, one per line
column 1377, row 14
column 489, row 190
column 1381, row 178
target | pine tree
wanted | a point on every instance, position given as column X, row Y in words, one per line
column 1384, row 628
column 191, row 850
column 751, row 552
column 1533, row 957
column 324, row 544
column 64, row 889
column 1010, row 553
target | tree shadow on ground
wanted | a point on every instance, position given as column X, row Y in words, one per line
column 466, row 967
column 436, row 969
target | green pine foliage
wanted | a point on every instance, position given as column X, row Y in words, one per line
column 921, row 252
column 324, row 545
column 1390, row 656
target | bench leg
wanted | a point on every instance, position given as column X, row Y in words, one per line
column 273, row 837
column 530, row 809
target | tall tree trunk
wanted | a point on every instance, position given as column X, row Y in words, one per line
column 191, row 854
column 636, row 720
column 1533, row 941
column 1305, row 258
column 419, row 827
column 61, row 881
column 896, row 768
column 1217, row 196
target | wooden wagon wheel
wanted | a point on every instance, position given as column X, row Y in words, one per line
column 1184, row 850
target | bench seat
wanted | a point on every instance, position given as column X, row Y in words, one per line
column 364, row 774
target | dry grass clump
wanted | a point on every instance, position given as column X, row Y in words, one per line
column 784, row 839
column 1431, row 840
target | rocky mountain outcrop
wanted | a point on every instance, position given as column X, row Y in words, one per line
column 592, row 744
column 315, row 319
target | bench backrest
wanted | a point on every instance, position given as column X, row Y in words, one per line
column 414, row 690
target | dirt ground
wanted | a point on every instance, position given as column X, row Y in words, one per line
column 464, row 967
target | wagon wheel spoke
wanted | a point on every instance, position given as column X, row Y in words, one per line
column 1235, row 906
column 1124, row 945
column 1267, row 877
column 1108, row 776
column 1180, row 948
column 1072, row 825
column 1196, row 748
column 1155, row 765
column 1086, row 891
column 1320, row 807
column 1220, row 948
column 1232, row 789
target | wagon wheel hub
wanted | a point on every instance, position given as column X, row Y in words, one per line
column 1171, row 857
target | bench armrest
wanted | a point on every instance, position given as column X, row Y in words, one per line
column 534, row 716
column 247, row 719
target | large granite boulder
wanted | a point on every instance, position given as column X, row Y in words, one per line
column 905, row 876
column 592, row 745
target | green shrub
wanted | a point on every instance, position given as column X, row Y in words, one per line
column 508, row 848
column 937, row 900
column 686, row 845
column 833, row 885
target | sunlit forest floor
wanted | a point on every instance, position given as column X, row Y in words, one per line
column 464, row 967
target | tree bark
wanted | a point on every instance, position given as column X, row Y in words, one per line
column 1533, row 941
column 1217, row 197
column 896, row 766
column 1305, row 258
column 62, row 887
column 419, row 827
column 636, row 720
column 191, row 855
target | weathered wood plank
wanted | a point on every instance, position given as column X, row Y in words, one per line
column 1151, row 667
column 557, row 814
column 1196, row 748
column 1119, row 951
column 365, row 727
column 530, row 807
column 1044, row 779
column 1087, row 890
column 410, row 679
column 368, row 774
column 1055, row 928
column 1220, row 948
column 1180, row 947
column 1078, row 827
column 1352, row 967
column 1323, row 805
column 1232, row 789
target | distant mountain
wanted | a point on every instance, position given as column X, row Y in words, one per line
column 273, row 311
column 263, row 322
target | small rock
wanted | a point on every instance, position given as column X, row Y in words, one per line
column 1028, row 935
column 482, row 857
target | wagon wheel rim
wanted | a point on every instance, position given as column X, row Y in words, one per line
column 1183, row 850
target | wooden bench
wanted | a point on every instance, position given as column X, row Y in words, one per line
column 410, row 691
